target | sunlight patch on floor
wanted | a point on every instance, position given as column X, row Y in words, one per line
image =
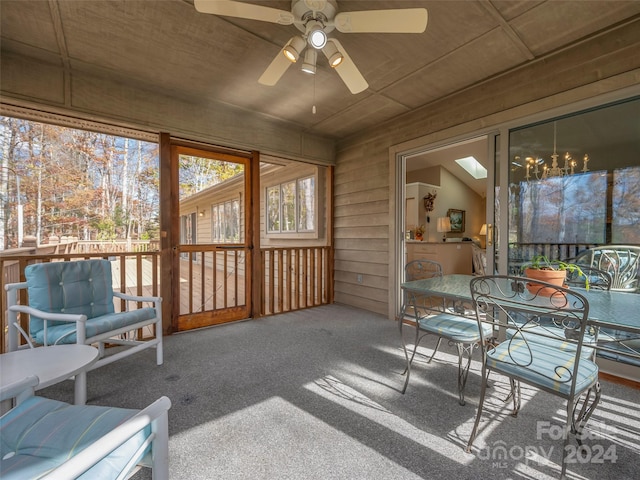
column 267, row 435
column 333, row 389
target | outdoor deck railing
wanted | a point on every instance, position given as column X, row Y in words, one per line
column 553, row 251
column 291, row 278
column 295, row 278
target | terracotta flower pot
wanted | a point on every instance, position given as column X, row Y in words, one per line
column 555, row 277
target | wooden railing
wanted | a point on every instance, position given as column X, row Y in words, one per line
column 212, row 277
column 296, row 278
column 291, row 278
column 93, row 246
column 553, row 251
column 69, row 245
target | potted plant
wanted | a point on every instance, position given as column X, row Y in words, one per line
column 419, row 232
column 550, row 271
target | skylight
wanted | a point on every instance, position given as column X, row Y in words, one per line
column 473, row 167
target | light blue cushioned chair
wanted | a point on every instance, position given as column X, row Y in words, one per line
column 47, row 439
column 432, row 316
column 504, row 302
column 73, row 302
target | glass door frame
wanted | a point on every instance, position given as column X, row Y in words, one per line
column 497, row 176
column 397, row 206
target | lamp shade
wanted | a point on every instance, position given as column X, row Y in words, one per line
column 483, row 230
column 444, row 224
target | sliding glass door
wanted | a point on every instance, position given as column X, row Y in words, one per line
column 574, row 183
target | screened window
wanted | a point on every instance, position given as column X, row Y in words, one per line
column 288, row 202
column 225, row 222
column 291, row 206
column 273, row 209
column 306, row 204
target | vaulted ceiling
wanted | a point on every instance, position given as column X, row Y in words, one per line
column 168, row 47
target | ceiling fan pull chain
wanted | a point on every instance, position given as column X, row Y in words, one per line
column 313, row 108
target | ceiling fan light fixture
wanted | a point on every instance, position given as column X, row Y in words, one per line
column 309, row 64
column 316, row 35
column 315, row 19
column 333, row 55
column 294, row 48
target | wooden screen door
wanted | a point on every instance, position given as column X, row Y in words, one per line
column 213, row 252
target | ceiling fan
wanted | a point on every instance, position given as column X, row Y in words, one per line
column 315, row 19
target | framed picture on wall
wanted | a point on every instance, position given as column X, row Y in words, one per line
column 456, row 217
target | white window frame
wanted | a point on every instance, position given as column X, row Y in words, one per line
column 297, row 228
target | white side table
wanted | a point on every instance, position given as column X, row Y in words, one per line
column 51, row 365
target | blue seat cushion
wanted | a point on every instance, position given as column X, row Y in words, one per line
column 454, row 327
column 82, row 287
column 542, row 365
column 65, row 332
column 41, row 434
column 553, row 337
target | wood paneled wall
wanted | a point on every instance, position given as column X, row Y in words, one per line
column 361, row 228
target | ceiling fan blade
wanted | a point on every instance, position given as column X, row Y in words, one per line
column 231, row 8
column 348, row 71
column 403, row 20
column 275, row 70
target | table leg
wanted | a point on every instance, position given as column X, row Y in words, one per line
column 80, row 388
column 407, row 371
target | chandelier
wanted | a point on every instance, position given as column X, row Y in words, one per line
column 537, row 169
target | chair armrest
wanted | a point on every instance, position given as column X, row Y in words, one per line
column 79, row 319
column 135, row 298
column 90, row 456
column 58, row 317
column 15, row 286
column 19, row 390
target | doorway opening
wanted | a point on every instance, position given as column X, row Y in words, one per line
column 435, row 193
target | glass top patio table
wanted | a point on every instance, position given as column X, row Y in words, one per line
column 608, row 309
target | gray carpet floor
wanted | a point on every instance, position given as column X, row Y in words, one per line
column 315, row 394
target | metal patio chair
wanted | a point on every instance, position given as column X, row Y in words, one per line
column 433, row 316
column 622, row 262
column 548, row 331
column 590, row 277
column 504, row 302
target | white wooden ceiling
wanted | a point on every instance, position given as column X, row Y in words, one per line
column 168, row 47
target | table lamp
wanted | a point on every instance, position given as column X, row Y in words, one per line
column 444, row 226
